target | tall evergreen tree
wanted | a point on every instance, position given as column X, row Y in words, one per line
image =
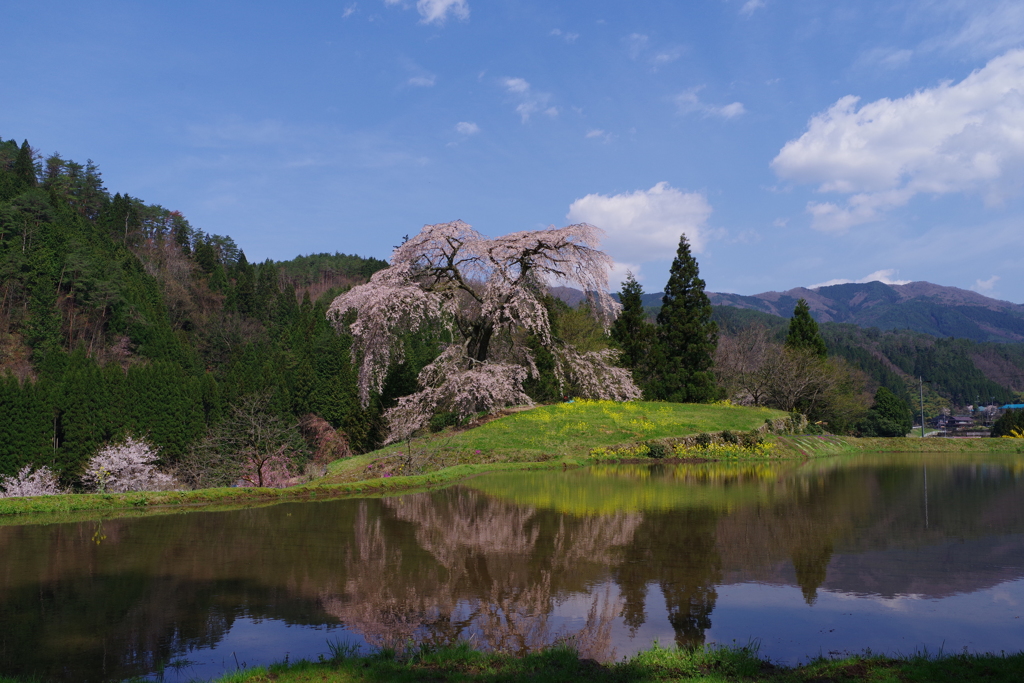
column 632, row 333
column 25, row 165
column 244, row 292
column 803, row 331
column 686, row 335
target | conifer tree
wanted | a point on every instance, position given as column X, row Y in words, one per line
column 686, row 335
column 24, row 165
column 632, row 333
column 244, row 292
column 804, row 333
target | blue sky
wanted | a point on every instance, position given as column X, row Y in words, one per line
column 795, row 142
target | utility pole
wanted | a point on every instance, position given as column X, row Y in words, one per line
column 922, row 406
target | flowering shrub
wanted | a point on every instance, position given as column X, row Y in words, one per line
column 640, row 450
column 40, row 482
column 1015, row 434
column 129, row 466
column 700, row 446
column 723, row 450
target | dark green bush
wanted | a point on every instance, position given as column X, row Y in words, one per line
column 443, row 420
column 657, row 449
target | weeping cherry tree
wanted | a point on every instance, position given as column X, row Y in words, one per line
column 487, row 295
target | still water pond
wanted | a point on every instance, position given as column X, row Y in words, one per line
column 891, row 553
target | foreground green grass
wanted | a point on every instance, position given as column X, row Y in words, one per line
column 709, row 665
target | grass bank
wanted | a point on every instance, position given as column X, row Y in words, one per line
column 557, row 435
column 707, row 665
column 94, row 506
column 547, row 436
column 563, row 432
column 810, row 446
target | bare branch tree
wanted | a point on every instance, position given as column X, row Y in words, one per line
column 487, row 294
column 253, row 446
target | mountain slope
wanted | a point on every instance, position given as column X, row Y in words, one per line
column 919, row 306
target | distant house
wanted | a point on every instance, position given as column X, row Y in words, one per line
column 960, row 422
column 1012, row 406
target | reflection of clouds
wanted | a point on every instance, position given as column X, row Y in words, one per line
column 981, row 622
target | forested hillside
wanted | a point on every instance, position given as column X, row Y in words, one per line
column 117, row 316
column 956, row 372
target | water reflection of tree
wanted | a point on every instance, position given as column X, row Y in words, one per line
column 677, row 552
column 498, row 572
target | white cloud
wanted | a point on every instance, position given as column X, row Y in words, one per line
column 889, row 58
column 667, row 56
column 636, row 43
column 687, row 102
column 598, row 134
column 467, row 128
column 620, row 271
column 952, row 138
column 437, row 11
column 567, row 37
column 530, row 101
column 751, row 6
column 422, row 81
column 985, row 285
column 638, row 46
column 883, row 276
column 349, row 11
column 645, row 225
column 989, row 27
column 517, row 85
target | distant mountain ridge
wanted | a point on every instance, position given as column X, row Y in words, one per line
column 925, row 307
column 919, row 306
column 966, row 346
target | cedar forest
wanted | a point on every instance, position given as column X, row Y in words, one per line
column 118, row 318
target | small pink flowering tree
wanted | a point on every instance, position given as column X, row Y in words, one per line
column 124, row 467
column 487, row 295
column 29, row 482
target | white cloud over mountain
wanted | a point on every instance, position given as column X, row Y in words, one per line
column 645, row 225
column 965, row 137
column 883, row 276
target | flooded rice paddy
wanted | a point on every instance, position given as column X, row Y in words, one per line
column 833, row 556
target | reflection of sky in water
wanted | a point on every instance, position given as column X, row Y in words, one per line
column 255, row 642
column 990, row 620
column 789, row 630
